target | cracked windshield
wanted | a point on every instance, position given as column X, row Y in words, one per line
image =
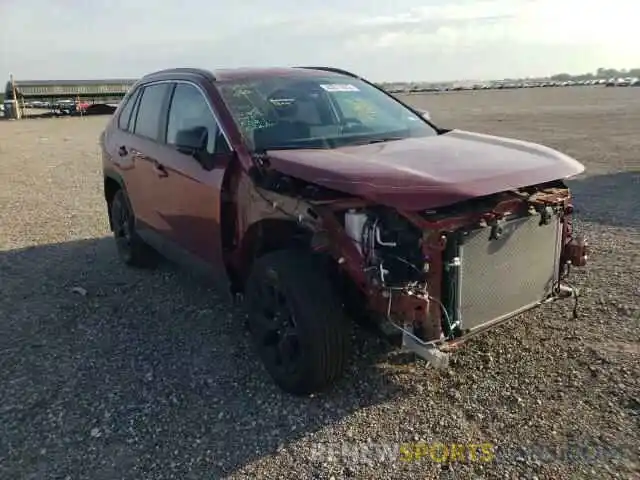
column 316, row 112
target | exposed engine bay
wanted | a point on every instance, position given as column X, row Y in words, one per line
column 498, row 255
column 390, row 246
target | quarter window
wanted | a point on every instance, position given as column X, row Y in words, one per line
column 125, row 114
column 188, row 110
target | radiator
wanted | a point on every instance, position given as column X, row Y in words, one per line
column 498, row 278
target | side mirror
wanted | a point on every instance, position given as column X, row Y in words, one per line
column 192, row 141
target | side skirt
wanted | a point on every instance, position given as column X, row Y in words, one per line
column 216, row 275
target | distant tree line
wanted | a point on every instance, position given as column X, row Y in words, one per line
column 600, row 73
column 605, row 73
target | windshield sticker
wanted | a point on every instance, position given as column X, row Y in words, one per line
column 339, row 87
column 282, row 102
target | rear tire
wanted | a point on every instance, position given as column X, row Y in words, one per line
column 296, row 321
column 132, row 250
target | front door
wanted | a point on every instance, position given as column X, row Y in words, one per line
column 190, row 194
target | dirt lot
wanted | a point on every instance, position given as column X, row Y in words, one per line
column 150, row 375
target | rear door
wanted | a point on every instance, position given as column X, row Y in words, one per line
column 191, row 193
column 116, row 136
column 144, row 147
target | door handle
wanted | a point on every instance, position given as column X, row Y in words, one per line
column 122, row 151
column 160, row 170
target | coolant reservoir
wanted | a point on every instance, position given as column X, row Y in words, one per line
column 354, row 222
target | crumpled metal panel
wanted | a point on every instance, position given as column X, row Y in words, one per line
column 500, row 277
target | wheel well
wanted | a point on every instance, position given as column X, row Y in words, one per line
column 270, row 235
column 267, row 236
column 111, row 186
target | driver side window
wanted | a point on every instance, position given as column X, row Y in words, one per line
column 189, row 109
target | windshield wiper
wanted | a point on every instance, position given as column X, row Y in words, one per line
column 379, row 140
column 296, row 147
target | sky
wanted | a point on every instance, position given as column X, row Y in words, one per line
column 394, row 40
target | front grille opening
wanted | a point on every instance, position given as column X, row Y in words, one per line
column 498, row 278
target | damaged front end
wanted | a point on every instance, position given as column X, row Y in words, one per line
column 442, row 276
column 435, row 278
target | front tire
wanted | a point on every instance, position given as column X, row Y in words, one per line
column 296, row 321
column 131, row 248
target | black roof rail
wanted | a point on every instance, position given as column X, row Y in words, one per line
column 333, row 70
column 188, row 70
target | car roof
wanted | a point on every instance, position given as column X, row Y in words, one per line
column 252, row 73
column 249, row 73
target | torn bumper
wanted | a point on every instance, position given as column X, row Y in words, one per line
column 487, row 279
column 438, row 353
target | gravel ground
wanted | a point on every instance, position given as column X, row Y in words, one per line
column 108, row 372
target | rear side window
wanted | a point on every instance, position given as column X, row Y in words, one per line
column 125, row 114
column 151, row 111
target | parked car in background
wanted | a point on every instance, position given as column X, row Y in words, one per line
column 64, row 107
column 316, row 196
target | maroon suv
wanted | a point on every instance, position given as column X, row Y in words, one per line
column 318, row 197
